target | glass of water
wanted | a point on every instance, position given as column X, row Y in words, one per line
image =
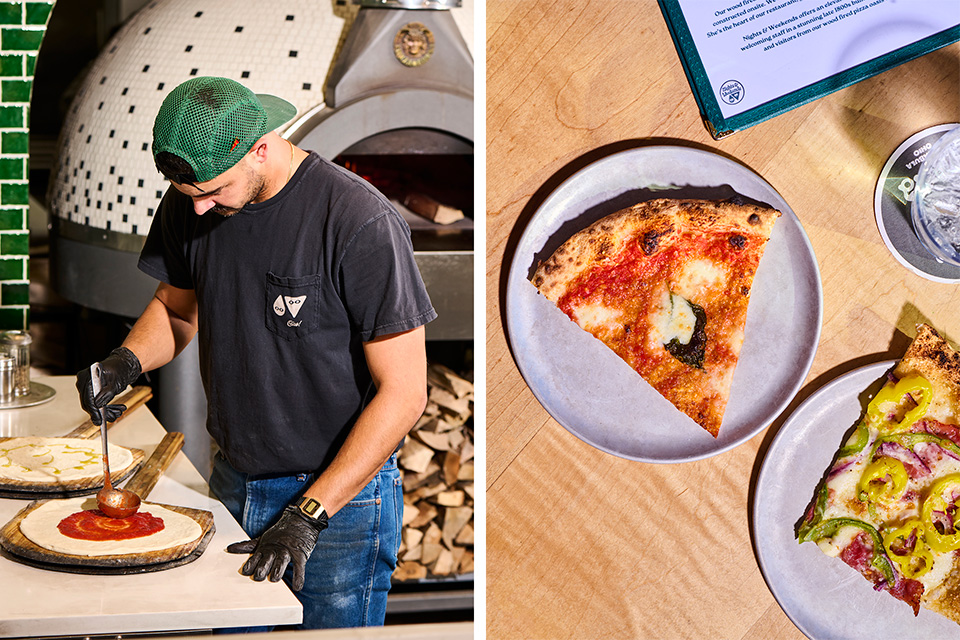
column 935, row 209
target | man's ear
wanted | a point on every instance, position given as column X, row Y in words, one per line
column 259, row 150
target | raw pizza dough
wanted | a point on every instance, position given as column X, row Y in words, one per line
column 40, row 527
column 57, row 460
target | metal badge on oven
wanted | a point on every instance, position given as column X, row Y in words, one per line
column 413, row 44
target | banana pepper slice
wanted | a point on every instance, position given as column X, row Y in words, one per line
column 914, row 562
column 884, row 479
column 914, row 385
column 941, row 498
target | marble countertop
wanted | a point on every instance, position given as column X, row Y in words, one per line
column 204, row 594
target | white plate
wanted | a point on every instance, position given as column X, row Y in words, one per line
column 595, row 395
column 821, row 595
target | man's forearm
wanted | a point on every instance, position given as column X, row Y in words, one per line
column 159, row 334
column 373, row 438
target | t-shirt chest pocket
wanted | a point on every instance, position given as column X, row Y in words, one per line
column 292, row 305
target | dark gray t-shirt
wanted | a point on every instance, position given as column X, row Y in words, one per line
column 288, row 290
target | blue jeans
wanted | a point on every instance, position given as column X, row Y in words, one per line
column 348, row 573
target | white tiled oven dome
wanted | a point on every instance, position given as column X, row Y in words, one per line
column 105, row 177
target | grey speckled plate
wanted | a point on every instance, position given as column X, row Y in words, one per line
column 822, row 596
column 591, row 391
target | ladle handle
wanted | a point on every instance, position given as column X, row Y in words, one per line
column 95, row 385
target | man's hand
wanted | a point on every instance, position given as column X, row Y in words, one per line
column 291, row 540
column 119, row 370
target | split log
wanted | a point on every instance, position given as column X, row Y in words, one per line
column 415, row 456
column 465, row 537
column 425, row 206
column 440, row 376
column 410, row 571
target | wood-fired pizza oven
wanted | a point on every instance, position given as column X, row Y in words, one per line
column 384, row 87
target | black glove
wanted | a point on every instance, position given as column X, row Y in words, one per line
column 119, row 370
column 292, row 539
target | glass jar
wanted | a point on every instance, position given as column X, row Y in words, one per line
column 935, row 210
column 17, row 344
column 8, row 367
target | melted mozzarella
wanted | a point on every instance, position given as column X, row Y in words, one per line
column 833, row 546
column 698, row 275
column 597, row 316
column 674, row 319
column 844, row 488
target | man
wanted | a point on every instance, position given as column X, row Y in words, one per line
column 309, row 312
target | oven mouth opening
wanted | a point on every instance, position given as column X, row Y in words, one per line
column 412, row 165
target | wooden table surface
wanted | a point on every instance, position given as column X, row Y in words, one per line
column 584, row 544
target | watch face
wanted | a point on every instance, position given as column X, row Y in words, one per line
column 310, row 507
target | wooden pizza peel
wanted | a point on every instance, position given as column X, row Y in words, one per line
column 19, row 548
column 133, row 399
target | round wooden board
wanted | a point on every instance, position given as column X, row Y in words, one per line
column 16, row 544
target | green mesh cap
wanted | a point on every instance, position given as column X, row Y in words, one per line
column 213, row 122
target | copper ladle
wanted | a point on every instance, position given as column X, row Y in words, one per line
column 115, row 503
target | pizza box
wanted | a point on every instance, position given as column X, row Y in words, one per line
column 750, row 60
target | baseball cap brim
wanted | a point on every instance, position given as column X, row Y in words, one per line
column 279, row 111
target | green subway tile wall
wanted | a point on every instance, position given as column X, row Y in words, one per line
column 11, row 13
column 22, row 27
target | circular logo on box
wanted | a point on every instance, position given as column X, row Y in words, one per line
column 413, row 44
column 731, row 92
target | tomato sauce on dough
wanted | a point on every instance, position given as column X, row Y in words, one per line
column 95, row 525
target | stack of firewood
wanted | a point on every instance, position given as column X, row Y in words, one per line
column 437, row 466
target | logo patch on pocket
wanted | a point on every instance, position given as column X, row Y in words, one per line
column 294, row 304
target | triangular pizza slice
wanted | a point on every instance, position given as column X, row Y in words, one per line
column 665, row 284
column 889, row 504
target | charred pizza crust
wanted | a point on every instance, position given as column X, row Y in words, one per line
column 665, row 285
column 931, row 356
column 655, row 224
column 945, row 598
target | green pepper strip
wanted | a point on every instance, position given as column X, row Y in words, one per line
column 863, row 434
column 818, row 509
column 828, row 528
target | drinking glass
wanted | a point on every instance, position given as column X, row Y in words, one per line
column 935, row 208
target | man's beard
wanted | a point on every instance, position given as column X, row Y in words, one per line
column 257, row 187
